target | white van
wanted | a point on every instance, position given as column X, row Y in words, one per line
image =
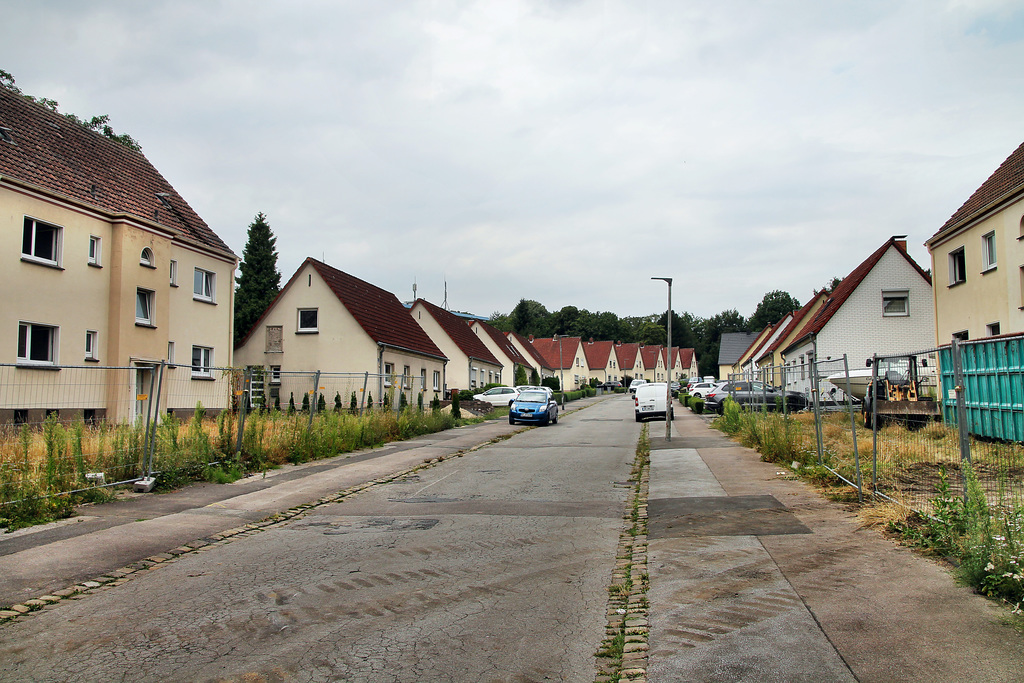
column 636, row 383
column 649, row 401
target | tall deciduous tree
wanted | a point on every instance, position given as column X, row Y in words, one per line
column 259, row 280
column 772, row 308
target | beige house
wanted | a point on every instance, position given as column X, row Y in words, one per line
column 359, row 336
column 978, row 259
column 503, row 349
column 537, row 363
column 653, row 359
column 628, row 358
column 106, row 265
column 565, row 356
column 471, row 365
column 688, row 364
column 602, row 363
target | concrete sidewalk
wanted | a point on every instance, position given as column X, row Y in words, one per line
column 102, row 538
column 754, row 576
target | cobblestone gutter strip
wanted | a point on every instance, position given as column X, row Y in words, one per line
column 154, row 562
column 623, row 653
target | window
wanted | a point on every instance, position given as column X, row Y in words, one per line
column 961, row 335
column 437, row 380
column 992, row 329
column 957, row 267
column 174, row 273
column 423, row 379
column 94, row 251
column 203, row 285
column 275, row 374
column 308, row 320
column 896, row 303
column 988, row 251
column 202, row 361
column 41, row 242
column 37, row 343
column 90, row 344
column 170, row 352
column 406, row 376
column 146, row 258
column 143, row 307
column 275, row 338
column 389, row 370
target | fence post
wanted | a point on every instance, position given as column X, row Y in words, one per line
column 313, row 400
column 156, row 416
column 961, row 411
column 246, row 389
column 873, row 393
column 853, row 430
column 362, row 399
column 147, row 442
column 813, row 362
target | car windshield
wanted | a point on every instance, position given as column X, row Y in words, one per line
column 533, row 397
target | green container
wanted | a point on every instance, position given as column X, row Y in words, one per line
column 993, row 382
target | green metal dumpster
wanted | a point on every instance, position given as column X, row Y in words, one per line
column 993, row 382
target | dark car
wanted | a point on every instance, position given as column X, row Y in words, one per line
column 533, row 407
column 612, row 385
column 754, row 395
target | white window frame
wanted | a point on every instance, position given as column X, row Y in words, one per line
column 146, row 258
column 389, row 370
column 31, row 227
column 275, row 374
column 170, row 353
column 205, row 281
column 148, row 295
column 25, row 343
column 423, row 379
column 957, row 266
column 299, row 329
column 406, row 376
column 988, row 251
column 993, row 329
column 174, row 273
column 91, row 340
column 205, row 365
column 437, row 380
column 95, row 250
column 894, row 295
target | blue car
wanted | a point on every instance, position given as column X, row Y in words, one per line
column 533, row 406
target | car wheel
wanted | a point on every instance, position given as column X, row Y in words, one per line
column 554, row 420
column 511, row 421
column 638, row 419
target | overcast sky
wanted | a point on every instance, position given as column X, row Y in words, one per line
column 563, row 151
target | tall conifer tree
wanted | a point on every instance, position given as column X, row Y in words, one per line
column 258, row 278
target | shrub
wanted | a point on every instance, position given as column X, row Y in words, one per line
column 697, row 404
column 456, row 413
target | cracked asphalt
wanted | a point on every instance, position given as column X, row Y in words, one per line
column 492, row 566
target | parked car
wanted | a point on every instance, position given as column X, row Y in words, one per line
column 636, row 383
column 531, row 387
column 612, row 385
column 675, row 389
column 497, row 396
column 702, row 388
column 533, row 406
column 754, row 395
column 650, row 401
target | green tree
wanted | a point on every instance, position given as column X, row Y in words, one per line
column 530, row 317
column 772, row 308
column 520, row 375
column 259, row 280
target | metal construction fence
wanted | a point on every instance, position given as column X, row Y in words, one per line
column 67, row 429
column 910, row 426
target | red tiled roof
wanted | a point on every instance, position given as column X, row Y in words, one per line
column 597, row 353
column 686, row 358
column 627, row 354
column 458, row 331
column 499, row 338
column 531, row 349
column 548, row 348
column 649, row 354
column 1004, row 183
column 793, row 325
column 49, row 151
column 850, row 284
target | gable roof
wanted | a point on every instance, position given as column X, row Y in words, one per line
column 1003, row 185
column 379, row 312
column 458, row 331
column 649, row 355
column 793, row 325
column 686, row 358
column 597, row 353
column 627, row 353
column 499, row 338
column 840, row 294
column 549, row 349
column 531, row 350
column 52, row 153
column 731, row 346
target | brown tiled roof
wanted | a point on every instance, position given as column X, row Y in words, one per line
column 499, row 338
column 649, row 354
column 834, row 302
column 794, row 324
column 686, row 358
column 548, row 348
column 1007, row 181
column 534, row 353
column 459, row 332
column 381, row 315
column 49, row 151
column 627, row 354
column 597, row 353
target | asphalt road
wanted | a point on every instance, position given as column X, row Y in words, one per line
column 490, row 566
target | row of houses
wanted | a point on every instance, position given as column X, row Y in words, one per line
column 889, row 304
column 108, row 250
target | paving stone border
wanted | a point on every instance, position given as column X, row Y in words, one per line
column 154, row 562
column 623, row 653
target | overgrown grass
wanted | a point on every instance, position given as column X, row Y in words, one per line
column 43, row 472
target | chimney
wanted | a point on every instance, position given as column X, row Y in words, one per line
column 900, row 241
column 531, row 338
column 591, row 340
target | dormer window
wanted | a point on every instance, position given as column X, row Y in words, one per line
column 146, row 258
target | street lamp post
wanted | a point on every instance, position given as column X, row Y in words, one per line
column 668, row 362
column 561, row 368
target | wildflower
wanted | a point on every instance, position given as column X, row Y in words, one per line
column 989, row 567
